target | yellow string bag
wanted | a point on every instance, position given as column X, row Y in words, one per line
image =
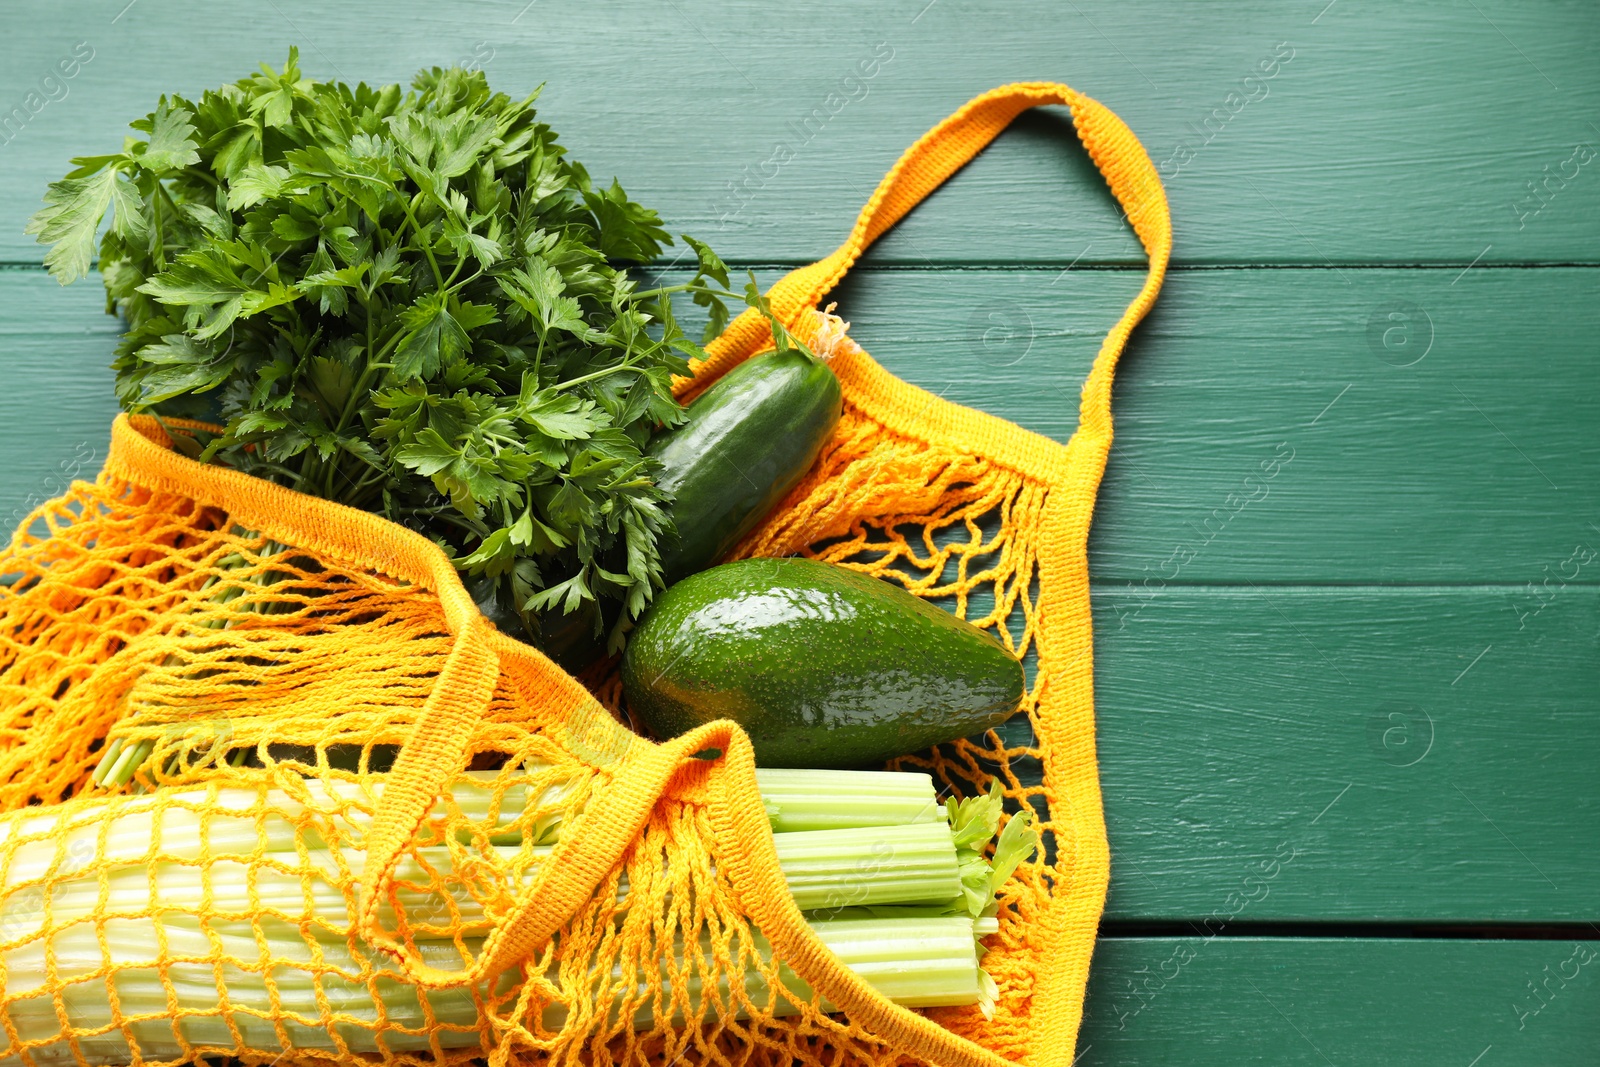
column 191, row 614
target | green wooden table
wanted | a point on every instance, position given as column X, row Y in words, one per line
column 1349, row 714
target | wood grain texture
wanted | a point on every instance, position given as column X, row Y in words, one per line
column 1395, row 134
column 1264, row 432
column 1434, row 472
column 1230, row 716
column 1419, row 755
column 56, row 402
column 1314, row 1002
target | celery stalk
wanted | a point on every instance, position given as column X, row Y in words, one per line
column 829, row 800
column 826, row 869
column 917, row 962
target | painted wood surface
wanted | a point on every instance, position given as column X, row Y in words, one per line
column 1231, row 714
column 1362, row 688
column 1279, row 425
column 1398, row 133
column 1423, row 752
column 56, row 403
column 1265, row 433
column 1304, row 1002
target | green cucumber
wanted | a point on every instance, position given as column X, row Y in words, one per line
column 746, row 442
column 823, row 666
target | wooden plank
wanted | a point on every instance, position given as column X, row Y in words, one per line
column 1345, row 154
column 1414, row 753
column 1304, row 1002
column 1430, row 472
column 56, row 402
column 1434, row 472
column 1266, row 432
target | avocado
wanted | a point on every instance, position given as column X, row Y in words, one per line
column 823, row 666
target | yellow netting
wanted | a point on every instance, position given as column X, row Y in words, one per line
column 369, row 825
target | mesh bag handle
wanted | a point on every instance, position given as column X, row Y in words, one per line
column 644, row 772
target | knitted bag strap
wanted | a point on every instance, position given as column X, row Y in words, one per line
column 745, row 848
column 924, row 166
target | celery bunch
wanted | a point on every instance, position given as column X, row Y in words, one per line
column 895, row 884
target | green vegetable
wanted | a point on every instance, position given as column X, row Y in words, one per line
column 822, row 665
column 973, row 822
column 410, row 302
column 807, row 799
column 917, row 961
column 744, row 444
column 907, row 928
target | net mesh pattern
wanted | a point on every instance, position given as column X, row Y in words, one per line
column 208, row 907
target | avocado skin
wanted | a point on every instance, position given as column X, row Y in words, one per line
column 744, row 443
column 823, row 666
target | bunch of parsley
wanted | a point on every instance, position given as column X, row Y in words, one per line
column 408, row 302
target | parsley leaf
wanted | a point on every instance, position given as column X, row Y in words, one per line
column 72, row 213
column 434, row 338
column 171, row 145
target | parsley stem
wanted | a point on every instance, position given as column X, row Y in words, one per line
column 366, row 481
column 438, row 277
column 276, row 468
column 570, row 382
column 360, row 391
column 686, row 287
column 201, row 174
column 450, row 283
column 157, row 248
column 454, row 518
column 356, row 393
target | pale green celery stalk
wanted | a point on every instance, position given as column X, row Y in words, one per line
column 973, row 823
column 828, row 869
column 236, row 818
column 824, row 868
column 828, row 800
column 916, row 962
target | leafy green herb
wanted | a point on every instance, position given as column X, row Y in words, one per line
column 782, row 339
column 973, row 822
column 409, row 302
